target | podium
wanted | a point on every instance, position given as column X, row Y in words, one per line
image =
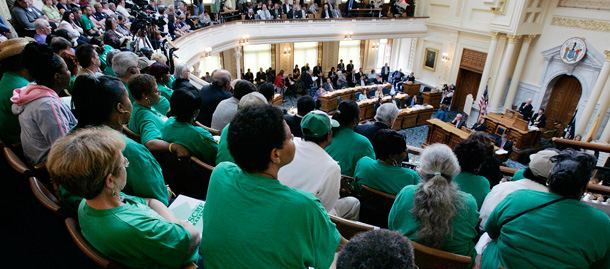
column 411, row 89
column 432, row 98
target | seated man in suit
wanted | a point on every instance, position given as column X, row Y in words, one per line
column 385, row 117
column 526, row 109
column 410, row 79
column 395, row 101
column 539, row 119
column 459, row 121
column 504, row 144
column 411, row 101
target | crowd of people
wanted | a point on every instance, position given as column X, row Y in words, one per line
column 277, row 176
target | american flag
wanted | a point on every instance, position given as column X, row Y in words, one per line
column 484, row 102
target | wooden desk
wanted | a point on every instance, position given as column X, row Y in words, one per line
column 408, row 117
column 444, row 133
column 521, row 137
column 411, row 89
column 367, row 107
column 278, row 99
column 329, row 100
column 432, row 98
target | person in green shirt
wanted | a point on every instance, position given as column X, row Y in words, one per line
column 89, row 28
column 518, row 175
column 14, row 76
column 471, row 156
column 248, row 209
column 137, row 232
column 386, row 173
column 532, row 229
column 161, row 73
column 104, row 101
column 348, row 147
column 435, row 213
column 146, row 120
column 108, row 70
column 224, row 155
column 179, row 128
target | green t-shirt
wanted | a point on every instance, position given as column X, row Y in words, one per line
column 86, row 23
column 199, row 142
column 348, row 147
column 477, row 186
column 135, row 235
column 165, row 91
column 252, row 221
column 109, row 72
column 147, row 122
column 144, row 177
column 463, row 225
column 566, row 234
column 518, row 175
column 102, row 56
column 386, row 178
column 224, row 155
column 162, row 107
column 10, row 129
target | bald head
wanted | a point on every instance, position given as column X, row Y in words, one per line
column 222, row 79
column 42, row 27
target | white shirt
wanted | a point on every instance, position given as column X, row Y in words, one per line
column 264, row 14
column 224, row 113
column 122, row 10
column 500, row 191
column 313, row 170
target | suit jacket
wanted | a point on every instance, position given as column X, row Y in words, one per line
column 385, row 70
column 541, row 122
column 340, row 66
column 526, row 111
column 351, row 4
column 396, row 102
column 369, row 130
column 317, row 70
column 458, row 124
column 337, row 13
column 286, row 8
column 350, row 79
column 359, row 76
column 210, row 97
column 249, row 76
column 328, row 86
column 508, row 146
column 270, row 75
column 307, row 81
column 409, row 100
column 327, row 13
column 410, row 78
column 276, row 13
column 350, row 67
column 264, row 14
column 260, row 76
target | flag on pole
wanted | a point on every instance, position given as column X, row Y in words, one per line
column 484, row 102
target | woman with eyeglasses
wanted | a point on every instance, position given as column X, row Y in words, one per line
column 146, row 120
column 104, row 101
column 133, row 231
column 532, row 229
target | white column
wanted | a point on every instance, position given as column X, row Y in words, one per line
column 601, row 112
column 488, row 63
column 586, row 114
column 500, row 85
column 238, row 61
column 514, row 82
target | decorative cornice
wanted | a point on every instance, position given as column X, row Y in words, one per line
column 528, row 38
column 495, row 35
column 513, row 38
column 589, row 24
column 585, row 4
column 607, row 53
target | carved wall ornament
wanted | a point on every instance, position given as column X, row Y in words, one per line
column 513, row 38
column 585, row 4
column 589, row 24
column 573, row 50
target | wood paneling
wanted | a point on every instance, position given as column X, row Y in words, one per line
column 473, row 60
column 467, row 83
column 563, row 102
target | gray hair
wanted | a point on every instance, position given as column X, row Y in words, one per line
column 40, row 23
column 220, row 78
column 179, row 70
column 111, row 6
column 122, row 61
column 386, row 112
column 436, row 201
column 110, row 55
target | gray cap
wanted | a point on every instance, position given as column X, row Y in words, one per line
column 540, row 165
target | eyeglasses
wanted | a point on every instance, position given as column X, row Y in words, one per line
column 125, row 162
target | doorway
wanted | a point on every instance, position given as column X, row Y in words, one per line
column 467, row 83
column 564, row 99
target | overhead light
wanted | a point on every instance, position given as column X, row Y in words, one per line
column 287, row 52
column 375, row 46
column 445, row 57
column 348, row 35
column 244, row 40
column 207, row 52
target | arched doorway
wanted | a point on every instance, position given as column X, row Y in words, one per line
column 563, row 101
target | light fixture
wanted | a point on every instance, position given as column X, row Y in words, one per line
column 244, row 40
column 287, row 52
column 375, row 46
column 445, row 57
column 348, row 35
column 207, row 52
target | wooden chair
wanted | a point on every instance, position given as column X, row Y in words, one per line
column 88, row 249
column 131, row 134
column 211, row 130
column 189, row 177
column 16, row 162
column 375, row 206
column 47, row 198
column 348, row 228
column 427, row 257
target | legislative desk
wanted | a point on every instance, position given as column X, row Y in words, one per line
column 329, row 100
column 432, row 98
column 411, row 89
column 413, row 116
column 514, row 127
column 444, row 133
column 367, row 107
column 278, row 99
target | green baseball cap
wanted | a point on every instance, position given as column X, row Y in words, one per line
column 317, row 123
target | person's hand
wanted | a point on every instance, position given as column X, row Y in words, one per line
column 181, row 151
